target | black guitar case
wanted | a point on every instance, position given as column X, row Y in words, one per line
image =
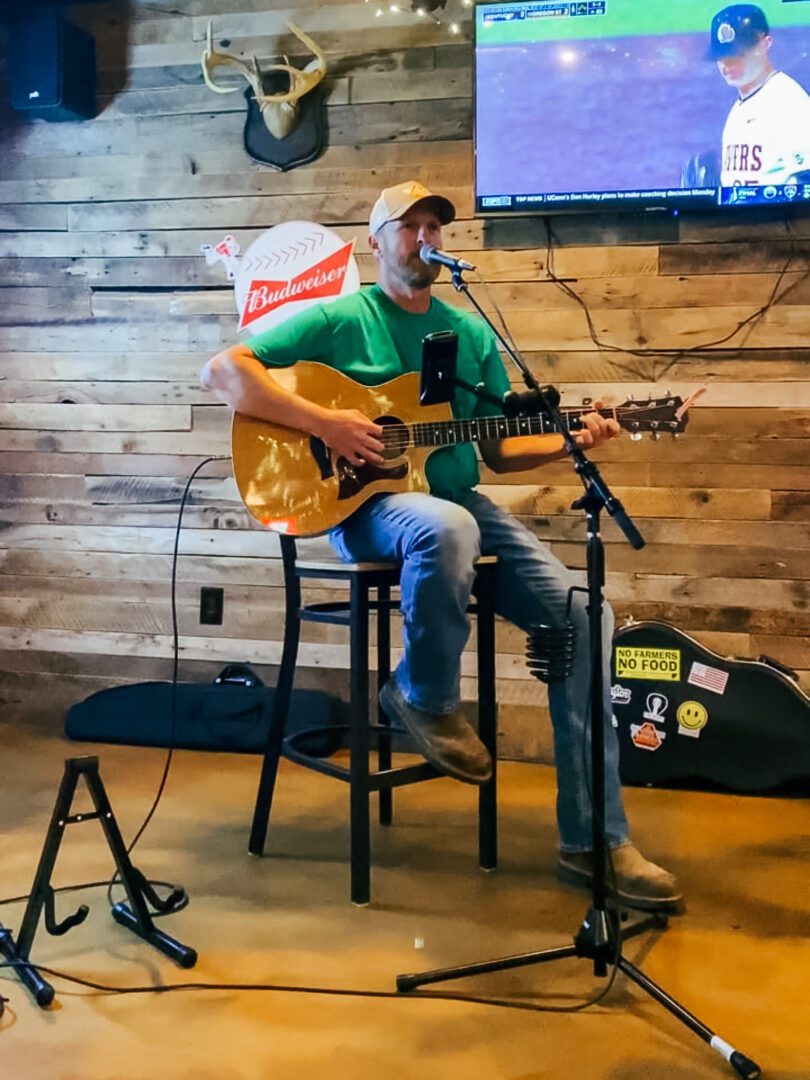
column 688, row 717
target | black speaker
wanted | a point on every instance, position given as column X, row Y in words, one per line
column 52, row 68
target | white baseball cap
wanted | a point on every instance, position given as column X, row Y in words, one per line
column 396, row 201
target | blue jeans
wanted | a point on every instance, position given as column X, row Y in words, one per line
column 437, row 541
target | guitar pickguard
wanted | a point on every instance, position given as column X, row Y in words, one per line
column 353, row 478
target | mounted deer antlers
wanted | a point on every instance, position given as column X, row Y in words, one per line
column 279, row 111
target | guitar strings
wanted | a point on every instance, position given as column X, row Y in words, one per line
column 401, row 435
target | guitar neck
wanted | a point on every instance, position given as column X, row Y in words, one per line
column 481, row 429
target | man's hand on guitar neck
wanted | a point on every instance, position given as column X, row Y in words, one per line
column 596, row 429
column 350, row 434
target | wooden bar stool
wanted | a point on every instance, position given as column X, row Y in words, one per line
column 364, row 579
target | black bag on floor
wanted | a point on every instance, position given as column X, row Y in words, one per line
column 232, row 713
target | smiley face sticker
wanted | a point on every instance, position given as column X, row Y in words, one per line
column 692, row 718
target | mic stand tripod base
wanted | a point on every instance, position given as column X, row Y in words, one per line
column 599, row 939
column 596, row 940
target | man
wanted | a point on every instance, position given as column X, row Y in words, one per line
column 375, row 335
column 766, row 138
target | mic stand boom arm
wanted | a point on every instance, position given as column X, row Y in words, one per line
column 539, row 400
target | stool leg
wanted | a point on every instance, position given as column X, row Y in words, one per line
column 487, row 719
column 278, row 719
column 383, row 673
column 359, row 818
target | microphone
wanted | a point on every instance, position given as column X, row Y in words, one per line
column 429, row 254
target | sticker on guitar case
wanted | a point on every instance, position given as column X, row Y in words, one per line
column 657, row 665
column 692, row 718
column 710, row 678
column 647, row 736
column 657, row 705
column 620, row 695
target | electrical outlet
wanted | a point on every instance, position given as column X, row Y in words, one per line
column 211, row 604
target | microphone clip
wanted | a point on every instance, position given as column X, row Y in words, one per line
column 530, row 402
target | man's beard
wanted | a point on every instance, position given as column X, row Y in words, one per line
column 416, row 274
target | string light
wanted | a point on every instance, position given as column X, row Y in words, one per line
column 426, row 9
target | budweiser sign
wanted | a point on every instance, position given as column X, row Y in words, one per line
column 290, row 267
column 322, row 281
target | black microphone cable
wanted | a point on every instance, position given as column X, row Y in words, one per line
column 775, row 297
column 181, row 898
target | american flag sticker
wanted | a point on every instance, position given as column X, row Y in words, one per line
column 710, row 678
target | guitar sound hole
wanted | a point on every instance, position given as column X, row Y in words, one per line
column 396, row 438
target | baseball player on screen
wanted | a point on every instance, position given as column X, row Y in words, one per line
column 766, row 138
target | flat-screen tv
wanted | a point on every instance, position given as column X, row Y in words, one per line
column 641, row 104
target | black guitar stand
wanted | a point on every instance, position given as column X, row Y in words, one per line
column 550, row 655
column 136, row 917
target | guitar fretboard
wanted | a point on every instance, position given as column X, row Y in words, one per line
column 480, row 429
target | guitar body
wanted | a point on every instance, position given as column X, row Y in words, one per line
column 290, row 482
column 687, row 716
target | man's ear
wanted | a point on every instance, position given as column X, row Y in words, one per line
column 374, row 244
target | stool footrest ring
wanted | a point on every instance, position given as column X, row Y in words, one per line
column 378, row 781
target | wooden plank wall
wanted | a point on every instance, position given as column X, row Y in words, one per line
column 108, row 312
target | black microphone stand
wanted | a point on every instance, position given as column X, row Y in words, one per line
column 600, row 936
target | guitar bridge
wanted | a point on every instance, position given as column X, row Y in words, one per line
column 323, row 458
column 353, row 478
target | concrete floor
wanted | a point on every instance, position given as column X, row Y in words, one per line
column 739, row 959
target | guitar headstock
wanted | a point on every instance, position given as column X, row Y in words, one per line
column 658, row 416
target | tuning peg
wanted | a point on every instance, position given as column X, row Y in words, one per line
column 676, row 435
column 655, row 435
column 635, row 436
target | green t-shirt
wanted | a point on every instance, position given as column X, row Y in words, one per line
column 371, row 339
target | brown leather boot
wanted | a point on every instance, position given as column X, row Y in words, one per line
column 447, row 740
column 638, row 882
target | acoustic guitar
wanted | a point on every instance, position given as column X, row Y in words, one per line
column 292, row 483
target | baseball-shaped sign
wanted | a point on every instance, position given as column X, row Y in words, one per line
column 290, row 267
